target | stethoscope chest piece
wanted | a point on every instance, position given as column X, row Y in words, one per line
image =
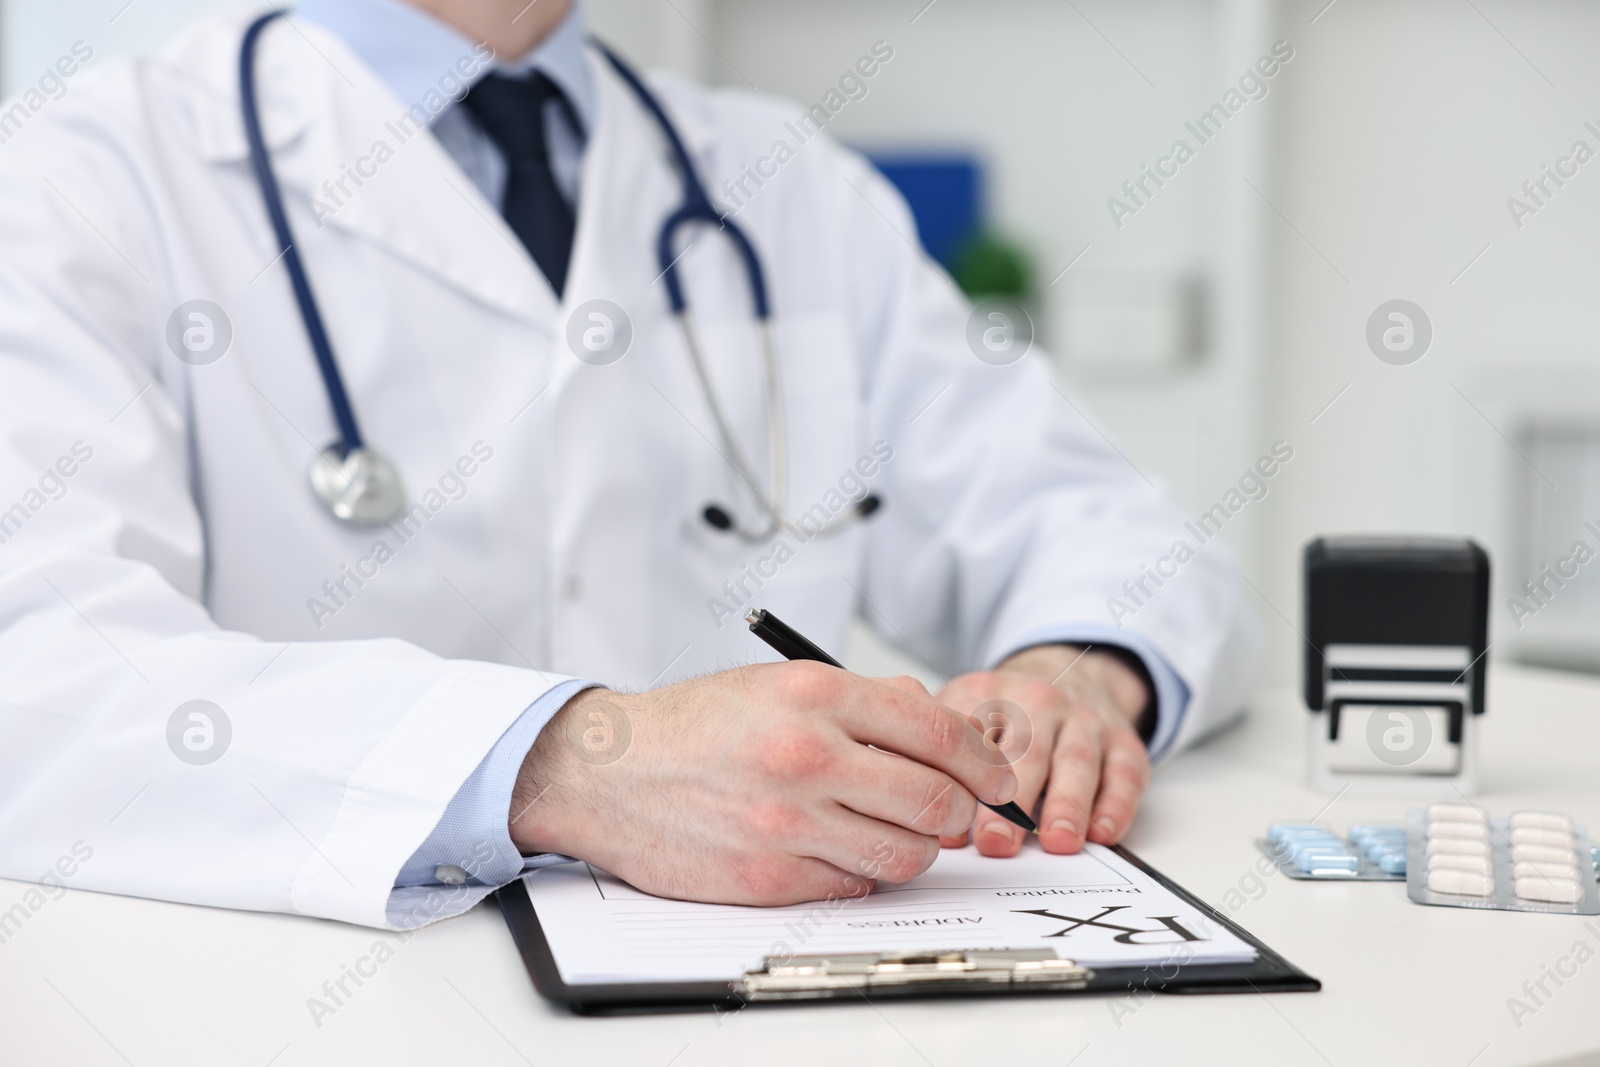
column 361, row 487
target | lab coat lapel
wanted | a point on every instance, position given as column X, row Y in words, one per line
column 355, row 164
column 629, row 188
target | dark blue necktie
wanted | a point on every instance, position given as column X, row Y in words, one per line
column 511, row 112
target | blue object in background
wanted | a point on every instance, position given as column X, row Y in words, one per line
column 945, row 191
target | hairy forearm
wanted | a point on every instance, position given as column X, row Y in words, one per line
column 567, row 761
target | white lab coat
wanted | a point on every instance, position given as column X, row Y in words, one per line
column 184, row 560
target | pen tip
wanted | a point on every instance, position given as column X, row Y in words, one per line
column 754, row 616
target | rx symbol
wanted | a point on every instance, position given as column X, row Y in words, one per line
column 1126, row 934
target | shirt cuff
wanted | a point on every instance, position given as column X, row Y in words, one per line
column 1171, row 695
column 470, row 853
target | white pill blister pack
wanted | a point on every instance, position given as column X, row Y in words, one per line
column 1458, row 856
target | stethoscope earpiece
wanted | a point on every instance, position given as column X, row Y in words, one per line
column 718, row 518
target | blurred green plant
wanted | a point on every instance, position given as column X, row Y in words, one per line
column 989, row 264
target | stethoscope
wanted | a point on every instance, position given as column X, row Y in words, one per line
column 360, row 485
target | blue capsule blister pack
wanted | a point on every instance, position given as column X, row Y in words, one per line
column 1372, row 853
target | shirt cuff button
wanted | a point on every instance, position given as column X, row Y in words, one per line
column 450, row 874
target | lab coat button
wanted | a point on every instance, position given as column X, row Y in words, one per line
column 572, row 587
column 450, row 874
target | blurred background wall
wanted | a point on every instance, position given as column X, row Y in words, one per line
column 1228, row 308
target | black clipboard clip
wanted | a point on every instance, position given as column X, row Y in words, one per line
column 957, row 970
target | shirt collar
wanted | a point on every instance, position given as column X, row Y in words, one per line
column 411, row 51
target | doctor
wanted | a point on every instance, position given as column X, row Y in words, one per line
column 505, row 626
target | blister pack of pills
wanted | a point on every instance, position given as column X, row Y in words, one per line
column 1372, row 853
column 1457, row 856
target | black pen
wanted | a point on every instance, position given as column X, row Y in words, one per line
column 791, row 644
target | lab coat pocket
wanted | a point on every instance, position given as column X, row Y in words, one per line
column 807, row 570
column 826, row 415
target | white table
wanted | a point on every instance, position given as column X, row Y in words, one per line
column 95, row 979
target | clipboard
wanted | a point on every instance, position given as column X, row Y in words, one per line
column 924, row 974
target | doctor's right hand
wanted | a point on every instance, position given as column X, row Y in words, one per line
column 756, row 785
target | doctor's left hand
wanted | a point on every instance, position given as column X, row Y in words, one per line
column 1066, row 720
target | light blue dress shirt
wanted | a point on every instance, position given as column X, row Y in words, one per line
column 416, row 56
column 411, row 52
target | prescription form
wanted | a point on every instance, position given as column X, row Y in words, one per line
column 1093, row 907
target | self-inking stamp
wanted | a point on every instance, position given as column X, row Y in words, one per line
column 1397, row 629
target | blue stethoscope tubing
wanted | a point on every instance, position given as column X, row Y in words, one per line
column 261, row 163
column 360, row 485
column 357, row 484
column 696, row 206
